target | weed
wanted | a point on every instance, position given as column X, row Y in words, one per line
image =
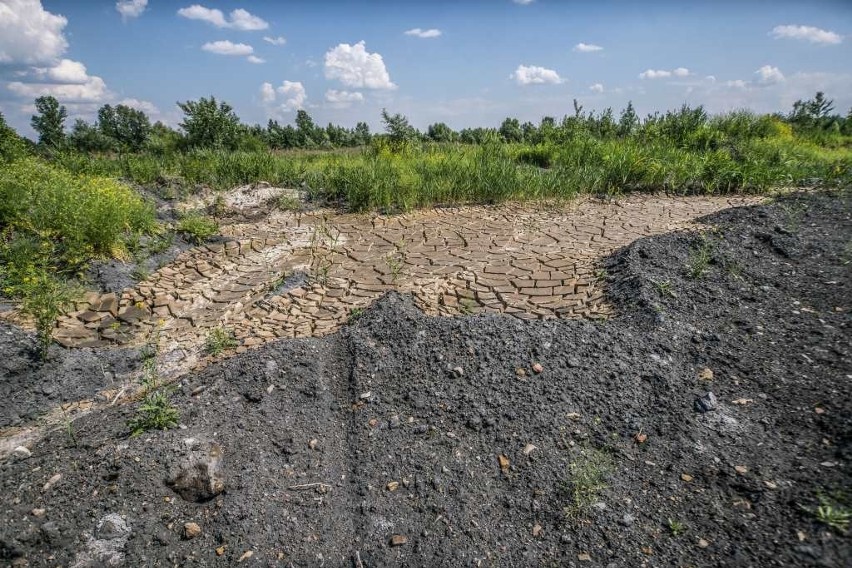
column 219, row 339
column 466, row 306
column 833, row 515
column 699, row 258
column 140, row 273
column 156, row 412
column 197, row 228
column 664, row 288
column 218, row 209
column 354, row 315
column 289, row 203
column 396, row 260
column 323, row 249
column 846, row 255
column 44, row 299
column 676, row 527
column 586, row 480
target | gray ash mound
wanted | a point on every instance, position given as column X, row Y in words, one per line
column 405, row 440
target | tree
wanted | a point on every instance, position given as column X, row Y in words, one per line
column 362, row 134
column 209, row 124
column 440, row 132
column 87, row 137
column 306, row 130
column 629, row 121
column 12, row 146
column 128, row 127
column 511, row 131
column 49, row 122
column 398, row 129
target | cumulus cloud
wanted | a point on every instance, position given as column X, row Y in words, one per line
column 294, row 95
column 225, row 47
column 92, row 90
column 534, row 75
column 425, row 34
column 596, row 88
column 29, row 34
column 769, row 75
column 587, row 47
column 255, row 59
column 238, row 19
column 66, row 71
column 130, row 8
column 806, row 33
column 523, row 2
column 737, row 84
column 664, row 74
column 343, row 99
column 355, row 67
column 280, row 40
column 267, row 93
column 147, row 107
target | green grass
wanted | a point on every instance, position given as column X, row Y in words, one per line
column 700, row 257
column 197, row 228
column 676, row 527
column 586, row 480
column 219, row 339
column 832, row 514
column 155, row 412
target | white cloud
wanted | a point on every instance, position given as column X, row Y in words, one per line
column 655, row 74
column 597, row 88
column 523, row 2
column 355, row 67
column 807, row 33
column 239, row 19
column 664, row 74
column 267, row 93
column 294, row 95
column 737, row 84
column 66, row 72
column 29, row 34
column 534, row 75
column 425, row 34
column 343, row 99
column 280, row 40
column 225, row 47
column 710, row 78
column 130, row 8
column 147, row 107
column 92, row 90
column 769, row 75
column 587, row 47
column 255, row 59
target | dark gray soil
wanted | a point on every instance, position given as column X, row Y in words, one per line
column 405, row 440
column 29, row 387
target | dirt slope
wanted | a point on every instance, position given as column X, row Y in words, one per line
column 405, row 440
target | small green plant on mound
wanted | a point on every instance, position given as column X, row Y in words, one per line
column 219, row 339
column 699, row 258
column 287, row 202
column 156, row 411
column 586, row 480
column 45, row 299
column 832, row 514
column 664, row 288
column 197, row 228
column 354, row 315
column 676, row 527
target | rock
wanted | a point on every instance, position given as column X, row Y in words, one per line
column 51, row 482
column 627, row 520
column 458, row 372
column 21, row 452
column 38, row 512
column 191, row 530
column 686, row 477
column 392, row 485
column 741, row 469
column 245, row 556
column 584, row 557
column 705, row 403
column 398, row 540
column 199, row 474
column 111, row 527
column 529, row 448
column 705, row 374
column 537, row 368
column 536, row 530
column 703, row 543
column 51, row 532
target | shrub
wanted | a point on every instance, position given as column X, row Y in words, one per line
column 197, row 228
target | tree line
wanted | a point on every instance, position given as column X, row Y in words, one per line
column 211, row 124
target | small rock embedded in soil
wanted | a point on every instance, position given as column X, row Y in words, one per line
column 22, row 452
column 51, row 482
column 191, row 530
column 199, row 475
column 627, row 520
column 537, row 368
column 584, row 557
column 705, row 374
column 706, row 403
column 703, row 543
column 398, row 540
column 245, row 556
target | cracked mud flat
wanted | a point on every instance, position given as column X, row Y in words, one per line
column 316, row 432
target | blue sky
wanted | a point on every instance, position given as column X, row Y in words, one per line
column 466, row 63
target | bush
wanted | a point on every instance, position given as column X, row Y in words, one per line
column 197, row 228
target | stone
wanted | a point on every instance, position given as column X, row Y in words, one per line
column 191, row 530
column 398, row 540
column 22, row 452
column 51, row 482
column 537, row 368
column 198, row 475
column 705, row 403
column 627, row 520
column 112, row 526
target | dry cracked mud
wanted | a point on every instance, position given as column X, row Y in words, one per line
column 410, row 440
